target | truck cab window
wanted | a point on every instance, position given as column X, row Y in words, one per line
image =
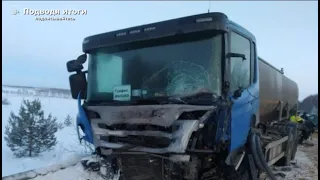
column 190, row 65
column 240, row 70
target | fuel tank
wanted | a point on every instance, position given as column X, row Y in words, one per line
column 275, row 88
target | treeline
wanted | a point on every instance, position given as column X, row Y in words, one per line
column 309, row 104
column 34, row 91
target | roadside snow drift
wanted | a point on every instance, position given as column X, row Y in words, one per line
column 70, row 169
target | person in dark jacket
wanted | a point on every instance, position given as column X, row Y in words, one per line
column 305, row 116
column 308, row 127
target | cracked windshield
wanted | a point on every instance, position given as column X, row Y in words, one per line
column 176, row 69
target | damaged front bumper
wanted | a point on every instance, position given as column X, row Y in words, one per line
column 162, row 116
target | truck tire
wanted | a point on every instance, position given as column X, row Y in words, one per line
column 295, row 142
column 290, row 148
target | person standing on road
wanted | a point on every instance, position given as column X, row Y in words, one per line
column 306, row 127
column 296, row 119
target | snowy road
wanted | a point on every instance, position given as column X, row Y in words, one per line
column 307, row 162
column 71, row 169
column 306, row 166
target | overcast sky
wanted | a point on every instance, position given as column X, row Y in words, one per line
column 34, row 53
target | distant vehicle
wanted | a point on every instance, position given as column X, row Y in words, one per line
column 311, row 117
column 314, row 119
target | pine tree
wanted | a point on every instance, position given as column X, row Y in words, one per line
column 60, row 126
column 29, row 133
column 68, row 120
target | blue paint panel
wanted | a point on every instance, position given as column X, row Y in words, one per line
column 242, row 110
column 248, row 104
column 83, row 121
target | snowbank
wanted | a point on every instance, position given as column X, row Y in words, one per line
column 71, row 169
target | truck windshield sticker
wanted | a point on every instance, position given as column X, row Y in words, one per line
column 122, row 93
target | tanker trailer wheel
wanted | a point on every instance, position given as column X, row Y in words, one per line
column 295, row 130
column 285, row 160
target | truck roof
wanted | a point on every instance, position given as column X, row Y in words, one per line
column 195, row 23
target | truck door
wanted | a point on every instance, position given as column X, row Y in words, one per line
column 240, row 76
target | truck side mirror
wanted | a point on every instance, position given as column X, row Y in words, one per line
column 74, row 66
column 82, row 59
column 236, row 55
column 78, row 84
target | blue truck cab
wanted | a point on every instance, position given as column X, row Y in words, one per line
column 182, row 91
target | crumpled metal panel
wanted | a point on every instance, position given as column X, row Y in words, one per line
column 161, row 115
column 180, row 138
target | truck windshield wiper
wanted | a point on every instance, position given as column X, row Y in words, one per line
column 159, row 100
column 200, row 98
column 142, row 101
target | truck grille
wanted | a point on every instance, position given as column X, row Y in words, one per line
column 141, row 167
column 146, row 141
column 153, row 129
column 140, row 140
column 139, row 127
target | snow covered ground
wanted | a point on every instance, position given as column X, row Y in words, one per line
column 304, row 169
column 70, row 169
column 68, row 144
column 306, row 163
